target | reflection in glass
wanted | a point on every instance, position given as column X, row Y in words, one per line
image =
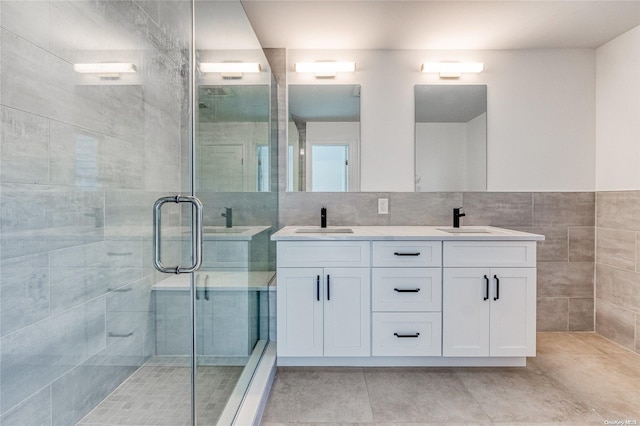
column 329, row 164
column 451, row 137
column 233, row 138
column 324, row 138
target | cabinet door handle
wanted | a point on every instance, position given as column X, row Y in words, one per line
column 406, row 254
column 328, row 287
column 406, row 290
column 206, row 288
column 497, row 287
column 318, row 288
column 486, row 291
column 406, row 335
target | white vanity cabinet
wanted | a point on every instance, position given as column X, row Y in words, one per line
column 489, row 299
column 324, row 306
column 406, row 298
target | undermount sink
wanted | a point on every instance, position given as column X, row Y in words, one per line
column 465, row 230
column 222, row 230
column 324, row 231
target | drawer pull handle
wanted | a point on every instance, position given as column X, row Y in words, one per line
column 406, row 254
column 497, row 287
column 486, row 292
column 406, row 290
column 407, row 335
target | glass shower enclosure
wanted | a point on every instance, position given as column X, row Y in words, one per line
column 105, row 108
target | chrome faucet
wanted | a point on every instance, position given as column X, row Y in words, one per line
column 323, row 217
column 456, row 217
column 228, row 214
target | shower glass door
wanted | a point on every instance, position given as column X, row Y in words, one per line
column 234, row 179
column 96, row 108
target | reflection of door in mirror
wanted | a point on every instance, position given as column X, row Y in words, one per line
column 263, row 168
column 324, row 138
column 330, row 168
column 451, row 137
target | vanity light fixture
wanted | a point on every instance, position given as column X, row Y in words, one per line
column 325, row 69
column 452, row 69
column 230, row 70
column 106, row 70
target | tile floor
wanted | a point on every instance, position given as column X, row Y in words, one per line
column 576, row 378
column 160, row 395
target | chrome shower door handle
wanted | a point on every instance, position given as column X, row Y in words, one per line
column 196, row 234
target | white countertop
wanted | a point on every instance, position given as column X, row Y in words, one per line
column 478, row 233
column 237, row 233
column 219, row 280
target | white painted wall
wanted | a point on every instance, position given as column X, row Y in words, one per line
column 441, row 157
column 451, row 156
column 541, row 114
column 618, row 113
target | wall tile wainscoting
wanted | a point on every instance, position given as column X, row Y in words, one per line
column 565, row 257
column 618, row 267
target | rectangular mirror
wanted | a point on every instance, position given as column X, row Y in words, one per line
column 451, row 138
column 233, row 138
column 324, row 138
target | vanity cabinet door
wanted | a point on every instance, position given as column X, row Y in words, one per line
column 300, row 311
column 489, row 312
column 347, row 312
column 513, row 314
column 465, row 312
column 324, row 312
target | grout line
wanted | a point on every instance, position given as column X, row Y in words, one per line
column 366, row 384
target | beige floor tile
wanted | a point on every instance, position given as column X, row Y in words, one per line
column 608, row 383
column 576, row 379
column 420, row 395
column 318, row 395
column 523, row 395
column 596, row 341
column 558, row 343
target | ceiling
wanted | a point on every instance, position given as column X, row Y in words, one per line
column 439, row 25
column 449, row 104
column 324, row 103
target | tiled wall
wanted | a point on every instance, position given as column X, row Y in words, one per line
column 618, row 267
column 81, row 163
column 565, row 258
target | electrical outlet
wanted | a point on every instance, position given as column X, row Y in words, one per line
column 383, row 206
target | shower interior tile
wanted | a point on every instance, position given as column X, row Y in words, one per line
column 25, row 292
column 20, row 129
column 34, row 411
column 35, row 356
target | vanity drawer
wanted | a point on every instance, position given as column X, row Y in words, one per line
column 407, row 289
column 507, row 254
column 407, row 253
column 407, row 334
column 299, row 254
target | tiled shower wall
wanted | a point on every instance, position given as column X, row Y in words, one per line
column 618, row 267
column 82, row 161
column 567, row 219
